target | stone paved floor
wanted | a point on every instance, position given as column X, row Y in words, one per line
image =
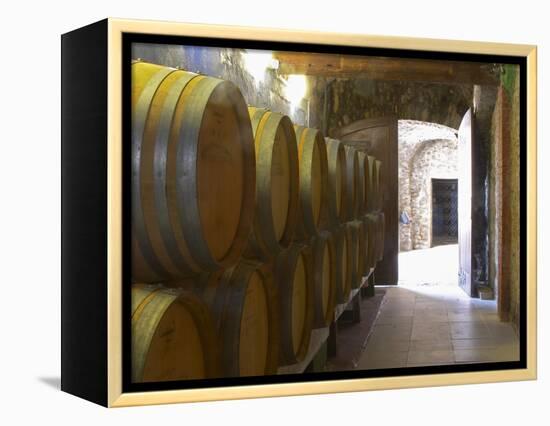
column 428, row 320
column 437, row 265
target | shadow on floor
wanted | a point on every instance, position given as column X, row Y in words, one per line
column 353, row 336
column 53, row 382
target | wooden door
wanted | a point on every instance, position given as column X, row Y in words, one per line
column 465, row 138
column 378, row 137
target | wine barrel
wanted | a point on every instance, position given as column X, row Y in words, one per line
column 193, row 173
column 337, row 185
column 323, row 253
column 361, row 186
column 353, row 254
column 364, row 173
column 359, row 233
column 381, row 235
column 371, row 225
column 173, row 336
column 243, row 302
column 344, row 251
column 313, row 169
column 276, row 211
column 354, row 184
column 294, row 282
column 369, row 179
column 378, row 197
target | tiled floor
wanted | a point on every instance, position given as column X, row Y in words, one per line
column 424, row 323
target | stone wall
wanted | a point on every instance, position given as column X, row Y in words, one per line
column 347, row 100
column 228, row 64
column 512, row 190
column 436, row 159
column 510, row 278
column 504, row 198
column 413, row 136
column 495, row 200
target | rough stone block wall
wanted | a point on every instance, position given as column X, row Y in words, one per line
column 436, row 159
column 349, row 100
column 495, row 198
column 227, row 64
column 504, row 198
column 413, row 136
column 513, row 192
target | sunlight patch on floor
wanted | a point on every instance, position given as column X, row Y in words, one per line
column 433, row 266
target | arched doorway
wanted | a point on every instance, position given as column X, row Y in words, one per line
column 427, row 151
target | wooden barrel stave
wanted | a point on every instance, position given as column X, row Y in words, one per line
column 370, row 221
column 295, row 286
column 313, row 176
column 379, row 196
column 177, row 223
column 371, row 190
column 323, row 254
column 353, row 253
column 173, row 336
column 354, row 184
column 361, row 191
column 277, row 184
column 337, row 184
column 381, row 235
column 344, row 264
column 144, row 88
column 365, row 175
column 361, row 247
column 243, row 301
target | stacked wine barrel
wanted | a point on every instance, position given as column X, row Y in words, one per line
column 247, row 230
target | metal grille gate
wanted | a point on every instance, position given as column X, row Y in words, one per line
column 444, row 211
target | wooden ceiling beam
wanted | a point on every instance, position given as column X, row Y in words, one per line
column 393, row 69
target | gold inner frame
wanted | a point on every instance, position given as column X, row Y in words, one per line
column 116, row 398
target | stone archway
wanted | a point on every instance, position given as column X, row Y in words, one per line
column 426, row 151
column 345, row 101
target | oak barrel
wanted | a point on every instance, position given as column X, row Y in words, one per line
column 243, row 302
column 369, row 179
column 276, row 211
column 173, row 336
column 371, row 224
column 344, row 252
column 378, row 194
column 361, row 246
column 353, row 253
column 354, row 184
column 323, row 253
column 337, row 185
column 361, row 200
column 193, row 173
column 381, row 235
column 294, row 282
column 312, row 157
column 364, row 173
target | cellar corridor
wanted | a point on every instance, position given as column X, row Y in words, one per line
column 311, row 212
column 435, row 325
column 428, row 320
